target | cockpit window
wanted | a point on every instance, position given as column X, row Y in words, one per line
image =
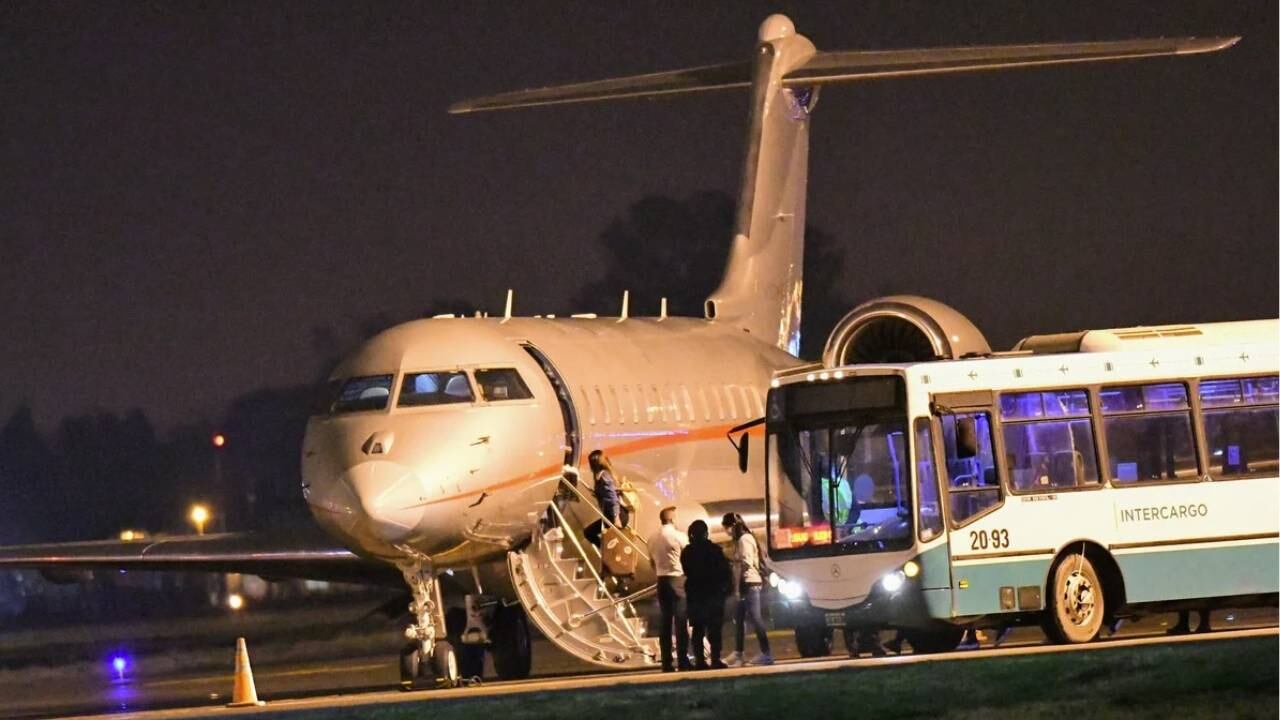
column 363, row 393
column 325, row 395
column 502, row 384
column 435, row 388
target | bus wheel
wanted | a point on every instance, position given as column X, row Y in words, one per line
column 1077, row 605
column 814, row 640
column 924, row 642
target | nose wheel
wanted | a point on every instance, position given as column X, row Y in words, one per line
column 439, row 669
column 427, row 660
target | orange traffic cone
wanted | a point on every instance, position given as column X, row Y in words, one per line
column 244, row 694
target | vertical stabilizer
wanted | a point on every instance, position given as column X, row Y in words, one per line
column 764, row 277
column 760, row 291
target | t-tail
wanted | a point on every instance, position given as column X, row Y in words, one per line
column 763, row 280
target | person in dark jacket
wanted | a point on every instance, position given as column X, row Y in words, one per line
column 606, row 492
column 708, row 581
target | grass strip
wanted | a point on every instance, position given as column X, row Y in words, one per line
column 1228, row 678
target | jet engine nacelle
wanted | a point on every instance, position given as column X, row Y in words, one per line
column 902, row 328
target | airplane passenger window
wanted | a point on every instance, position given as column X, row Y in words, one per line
column 688, row 403
column 656, row 405
column 434, row 388
column 670, row 400
column 622, row 413
column 502, row 384
column 363, row 393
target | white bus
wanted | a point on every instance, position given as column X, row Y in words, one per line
column 1078, row 479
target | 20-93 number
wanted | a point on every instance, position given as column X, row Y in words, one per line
column 984, row 539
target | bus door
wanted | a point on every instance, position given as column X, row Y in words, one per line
column 970, row 480
column 931, row 531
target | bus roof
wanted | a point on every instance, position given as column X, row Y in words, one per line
column 1176, row 340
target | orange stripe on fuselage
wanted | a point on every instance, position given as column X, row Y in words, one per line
column 620, row 450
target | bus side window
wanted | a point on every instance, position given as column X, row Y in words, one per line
column 1148, row 431
column 1048, row 440
column 1240, row 426
column 973, row 485
column 927, row 483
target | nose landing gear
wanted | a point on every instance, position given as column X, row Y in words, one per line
column 427, row 660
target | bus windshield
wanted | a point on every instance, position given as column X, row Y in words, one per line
column 838, row 474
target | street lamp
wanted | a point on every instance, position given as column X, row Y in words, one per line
column 199, row 516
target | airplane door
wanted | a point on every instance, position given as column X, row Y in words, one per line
column 572, row 436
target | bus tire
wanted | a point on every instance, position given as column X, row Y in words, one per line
column 1077, row 601
column 925, row 642
column 814, row 640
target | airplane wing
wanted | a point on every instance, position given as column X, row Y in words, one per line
column 849, row 65
column 304, row 553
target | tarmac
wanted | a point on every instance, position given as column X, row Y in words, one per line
column 370, row 681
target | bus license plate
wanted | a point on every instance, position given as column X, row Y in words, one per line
column 835, row 619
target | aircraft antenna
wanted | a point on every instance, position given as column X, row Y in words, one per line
column 662, row 313
column 626, row 305
column 511, row 296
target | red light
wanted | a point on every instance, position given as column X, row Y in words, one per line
column 219, row 440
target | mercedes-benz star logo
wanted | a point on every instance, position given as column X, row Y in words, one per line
column 835, row 570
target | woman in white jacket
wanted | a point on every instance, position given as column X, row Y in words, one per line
column 749, row 579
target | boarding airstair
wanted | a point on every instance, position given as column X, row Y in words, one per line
column 558, row 580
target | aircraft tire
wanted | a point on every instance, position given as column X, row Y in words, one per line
column 512, row 646
column 444, row 662
column 410, row 665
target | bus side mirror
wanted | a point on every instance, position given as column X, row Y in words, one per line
column 744, row 449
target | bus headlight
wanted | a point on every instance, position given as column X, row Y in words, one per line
column 790, row 589
column 911, row 569
column 893, row 581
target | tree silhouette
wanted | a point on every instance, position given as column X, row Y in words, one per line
column 664, row 247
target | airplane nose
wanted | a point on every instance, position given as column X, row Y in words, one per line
column 388, row 493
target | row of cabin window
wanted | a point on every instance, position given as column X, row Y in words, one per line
column 635, row 404
column 1149, row 431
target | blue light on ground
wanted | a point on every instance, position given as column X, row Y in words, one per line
column 120, row 664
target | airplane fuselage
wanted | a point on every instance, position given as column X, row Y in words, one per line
column 462, row 482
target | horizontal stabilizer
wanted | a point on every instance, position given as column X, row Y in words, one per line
column 707, row 77
column 840, row 66
column 848, row 65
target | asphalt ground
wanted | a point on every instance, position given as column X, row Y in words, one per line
column 356, row 681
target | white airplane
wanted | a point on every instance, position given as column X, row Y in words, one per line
column 441, row 446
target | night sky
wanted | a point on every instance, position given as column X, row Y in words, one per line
column 187, row 191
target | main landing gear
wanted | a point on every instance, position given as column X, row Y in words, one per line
column 428, row 659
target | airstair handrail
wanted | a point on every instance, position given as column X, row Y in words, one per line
column 643, row 592
column 595, row 509
column 573, row 538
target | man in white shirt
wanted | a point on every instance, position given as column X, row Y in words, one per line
column 664, row 556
